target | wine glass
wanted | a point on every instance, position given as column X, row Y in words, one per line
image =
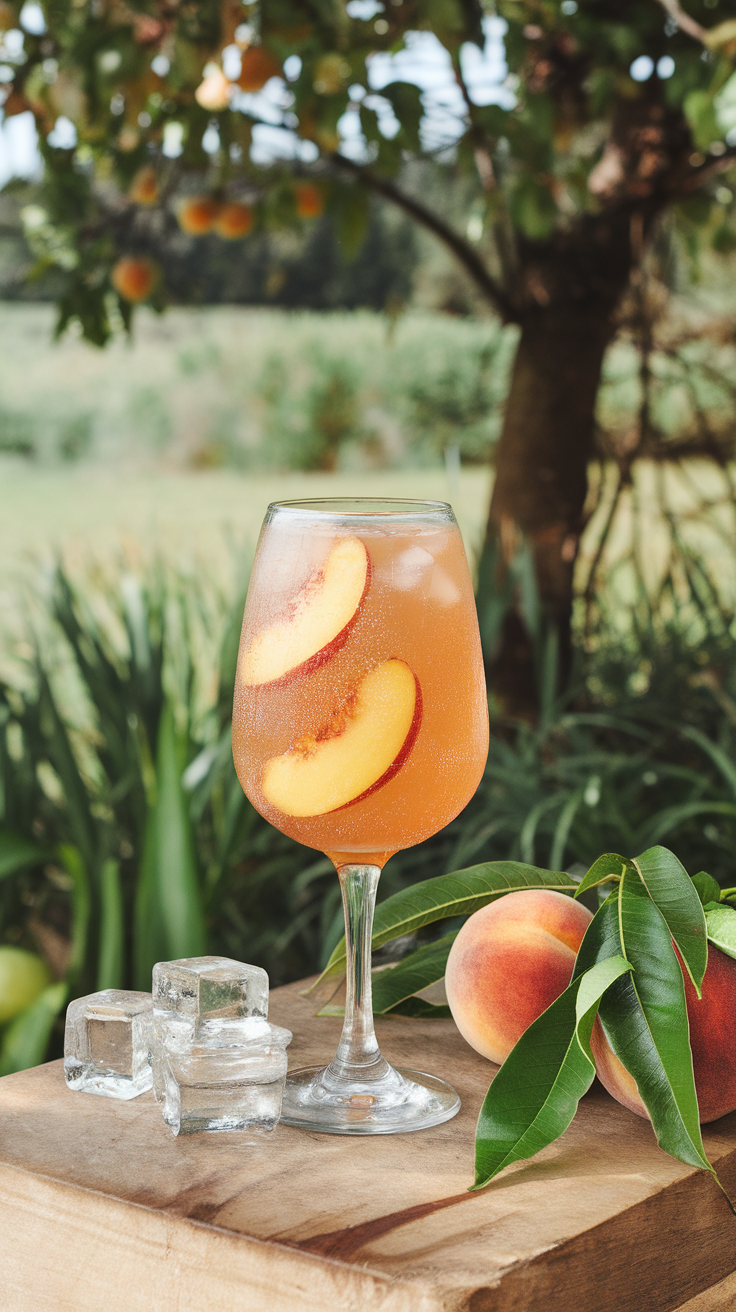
column 360, row 727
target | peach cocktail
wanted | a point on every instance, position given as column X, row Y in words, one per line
column 360, row 727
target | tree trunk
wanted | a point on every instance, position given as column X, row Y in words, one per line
column 536, row 510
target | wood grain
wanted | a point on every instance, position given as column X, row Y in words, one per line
column 101, row 1207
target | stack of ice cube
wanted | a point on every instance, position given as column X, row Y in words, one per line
column 107, row 1041
column 218, row 1064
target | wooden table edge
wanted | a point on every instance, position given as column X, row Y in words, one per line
column 374, row 1288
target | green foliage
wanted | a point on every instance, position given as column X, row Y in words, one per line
column 168, row 911
column 16, row 853
column 706, row 887
column 626, row 972
column 672, row 893
column 721, row 922
column 532, row 157
column 644, row 1017
column 416, row 972
column 25, row 1040
column 521, row 1115
column 246, row 390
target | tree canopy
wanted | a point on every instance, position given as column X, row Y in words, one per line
column 557, row 111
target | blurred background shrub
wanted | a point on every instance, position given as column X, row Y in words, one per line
column 262, row 389
column 257, row 389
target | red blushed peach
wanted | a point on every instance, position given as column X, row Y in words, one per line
column 197, row 214
column 509, row 962
column 711, row 1039
column 233, row 221
column 309, row 200
column 133, row 278
column 365, row 746
column 144, row 187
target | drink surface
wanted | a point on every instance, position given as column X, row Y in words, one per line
column 360, row 721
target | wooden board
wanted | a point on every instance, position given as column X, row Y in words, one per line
column 101, row 1208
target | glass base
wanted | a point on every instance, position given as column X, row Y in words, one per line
column 400, row 1101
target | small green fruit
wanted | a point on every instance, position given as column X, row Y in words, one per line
column 23, row 976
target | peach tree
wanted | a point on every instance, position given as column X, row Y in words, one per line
column 570, row 126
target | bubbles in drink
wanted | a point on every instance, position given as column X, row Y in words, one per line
column 360, row 721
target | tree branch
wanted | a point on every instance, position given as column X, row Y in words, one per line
column 684, row 21
column 463, row 252
column 702, row 173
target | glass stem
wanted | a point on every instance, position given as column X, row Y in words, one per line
column 358, row 1056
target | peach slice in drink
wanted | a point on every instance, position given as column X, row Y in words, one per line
column 363, row 746
column 319, row 619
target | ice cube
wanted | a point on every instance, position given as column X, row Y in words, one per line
column 231, row 1078
column 209, row 988
column 198, row 995
column 107, row 1041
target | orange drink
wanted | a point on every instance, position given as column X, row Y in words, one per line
column 401, row 596
column 360, row 726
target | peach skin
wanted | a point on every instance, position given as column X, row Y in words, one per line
column 711, row 1039
column 509, row 962
column 134, row 278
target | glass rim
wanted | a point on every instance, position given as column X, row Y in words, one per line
column 378, row 506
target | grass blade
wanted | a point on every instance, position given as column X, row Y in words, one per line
column 722, row 762
column 112, row 928
column 665, row 821
column 75, row 792
column 169, row 920
column 563, row 826
column 71, row 859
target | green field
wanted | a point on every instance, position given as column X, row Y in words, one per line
column 175, row 442
column 194, row 519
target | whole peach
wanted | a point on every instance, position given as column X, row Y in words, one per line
column 234, row 221
column 197, row 214
column 134, row 278
column 214, row 91
column 309, row 200
column 144, row 187
column 509, row 962
column 712, row 1039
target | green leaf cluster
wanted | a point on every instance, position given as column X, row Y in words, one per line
column 627, row 975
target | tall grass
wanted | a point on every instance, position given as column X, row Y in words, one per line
column 125, row 837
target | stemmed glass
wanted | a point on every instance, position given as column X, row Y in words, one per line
column 360, row 727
